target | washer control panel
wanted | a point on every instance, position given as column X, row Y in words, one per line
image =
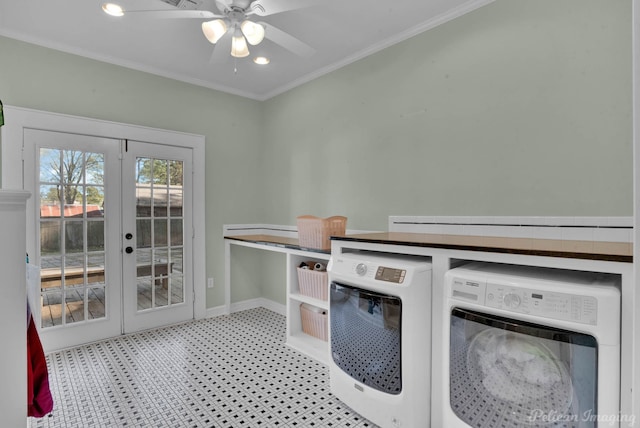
column 364, row 269
column 390, row 274
column 380, row 273
column 546, row 304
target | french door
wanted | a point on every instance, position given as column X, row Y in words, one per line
column 111, row 247
column 157, row 233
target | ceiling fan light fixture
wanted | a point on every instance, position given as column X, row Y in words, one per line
column 214, row 30
column 112, row 9
column 253, row 32
column 239, row 48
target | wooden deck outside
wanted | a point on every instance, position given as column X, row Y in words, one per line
column 52, row 277
column 51, row 309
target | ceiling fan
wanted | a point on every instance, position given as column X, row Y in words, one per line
column 229, row 25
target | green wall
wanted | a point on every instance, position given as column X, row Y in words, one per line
column 44, row 79
column 522, row 107
column 519, row 108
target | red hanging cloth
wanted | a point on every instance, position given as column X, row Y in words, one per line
column 39, row 397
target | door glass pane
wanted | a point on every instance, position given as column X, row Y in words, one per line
column 95, row 235
column 161, row 271
column 175, row 186
column 160, row 201
column 72, row 246
column 95, row 169
column 51, row 309
column 160, row 232
column 74, row 236
column 74, row 305
column 143, row 233
column 96, row 304
column 176, row 232
column 74, row 271
column 177, row 276
column 144, row 279
column 159, row 195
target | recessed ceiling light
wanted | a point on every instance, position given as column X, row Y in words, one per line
column 261, row 60
column 112, row 9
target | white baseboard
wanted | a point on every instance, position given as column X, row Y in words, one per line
column 249, row 304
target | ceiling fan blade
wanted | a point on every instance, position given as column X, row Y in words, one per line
column 222, row 49
column 271, row 7
column 287, row 41
column 173, row 13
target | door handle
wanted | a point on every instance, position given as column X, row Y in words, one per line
column 128, row 250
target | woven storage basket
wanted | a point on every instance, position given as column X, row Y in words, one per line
column 313, row 283
column 314, row 321
column 314, row 232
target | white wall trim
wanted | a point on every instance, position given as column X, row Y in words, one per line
column 271, row 229
column 599, row 229
column 260, row 229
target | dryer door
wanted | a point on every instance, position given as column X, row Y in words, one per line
column 504, row 372
column 365, row 336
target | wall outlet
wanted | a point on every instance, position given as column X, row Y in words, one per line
column 209, row 282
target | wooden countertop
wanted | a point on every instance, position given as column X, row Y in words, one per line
column 592, row 250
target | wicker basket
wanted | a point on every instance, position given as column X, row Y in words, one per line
column 314, row 321
column 314, row 232
column 313, row 283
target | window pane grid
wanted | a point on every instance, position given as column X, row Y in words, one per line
column 71, row 228
column 159, row 232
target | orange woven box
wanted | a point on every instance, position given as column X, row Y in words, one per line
column 313, row 283
column 314, row 321
column 314, row 232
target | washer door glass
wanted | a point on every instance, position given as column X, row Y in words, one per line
column 509, row 373
column 365, row 336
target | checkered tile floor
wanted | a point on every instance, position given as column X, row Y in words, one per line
column 229, row 371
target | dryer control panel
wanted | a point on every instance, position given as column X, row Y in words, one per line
column 546, row 304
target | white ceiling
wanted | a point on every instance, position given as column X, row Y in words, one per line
column 341, row 31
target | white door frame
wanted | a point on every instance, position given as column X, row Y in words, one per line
column 17, row 119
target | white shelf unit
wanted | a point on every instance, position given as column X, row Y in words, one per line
column 296, row 338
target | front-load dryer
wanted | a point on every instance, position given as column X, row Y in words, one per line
column 530, row 347
column 380, row 337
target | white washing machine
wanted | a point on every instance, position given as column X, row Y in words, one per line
column 530, row 347
column 380, row 337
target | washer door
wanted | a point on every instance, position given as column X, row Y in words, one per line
column 365, row 336
column 512, row 374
